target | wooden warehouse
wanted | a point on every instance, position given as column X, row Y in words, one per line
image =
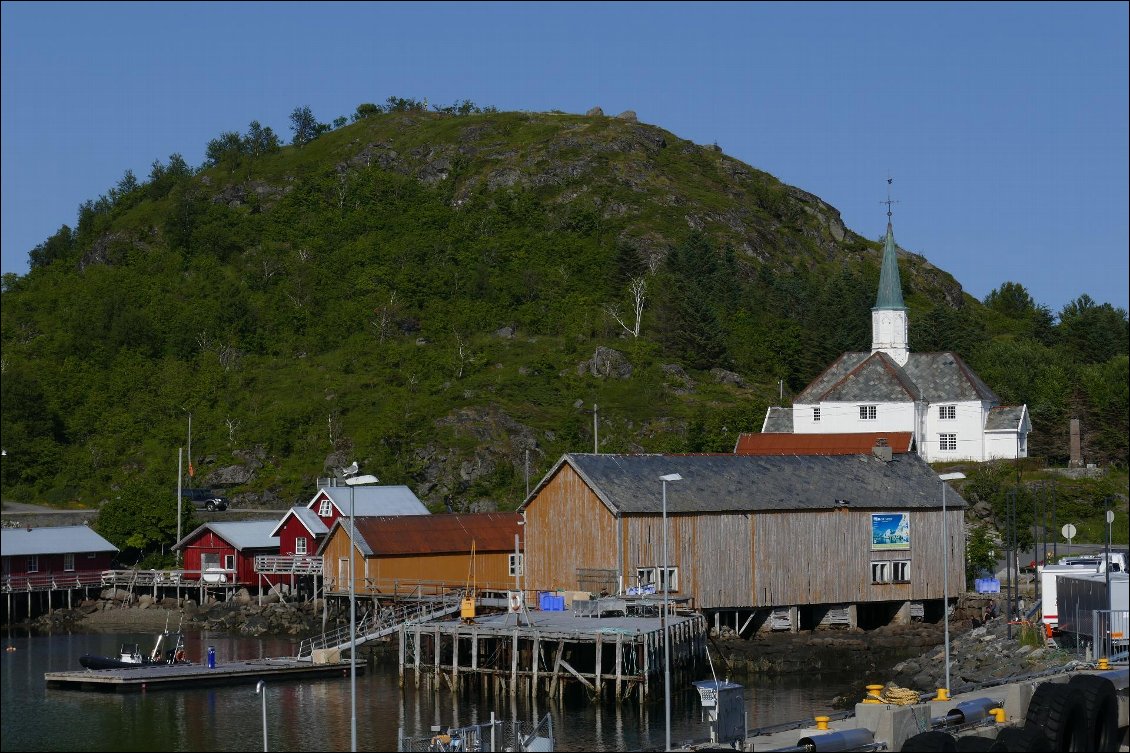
column 397, row 553
column 780, row 542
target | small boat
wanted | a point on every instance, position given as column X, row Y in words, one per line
column 168, row 650
column 490, row 736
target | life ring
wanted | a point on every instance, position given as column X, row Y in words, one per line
column 515, row 601
column 179, row 655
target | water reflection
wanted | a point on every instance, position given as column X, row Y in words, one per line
column 315, row 715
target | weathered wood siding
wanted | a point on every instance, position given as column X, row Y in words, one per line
column 567, row 528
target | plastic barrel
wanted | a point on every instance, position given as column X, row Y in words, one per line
column 211, row 657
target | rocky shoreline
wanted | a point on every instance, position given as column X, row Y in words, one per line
column 910, row 656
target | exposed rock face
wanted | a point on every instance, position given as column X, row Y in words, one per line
column 595, row 112
column 728, row 377
column 677, row 379
column 629, row 115
column 606, row 363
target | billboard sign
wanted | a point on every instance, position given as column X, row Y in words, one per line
column 890, row 530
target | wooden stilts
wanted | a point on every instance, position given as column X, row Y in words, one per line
column 599, row 659
column 619, row 664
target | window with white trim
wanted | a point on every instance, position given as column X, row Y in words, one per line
column 516, row 565
column 900, row 571
column 947, row 442
column 947, row 412
column 816, row 415
column 33, row 563
column 868, row 412
column 69, row 563
column 229, row 562
column 880, row 572
column 647, row 576
column 325, row 509
column 300, row 545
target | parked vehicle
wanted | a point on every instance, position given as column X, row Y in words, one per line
column 205, row 499
column 1083, row 565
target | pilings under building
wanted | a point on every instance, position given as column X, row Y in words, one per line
column 547, row 654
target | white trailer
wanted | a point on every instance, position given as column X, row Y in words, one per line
column 1083, row 599
column 1071, row 566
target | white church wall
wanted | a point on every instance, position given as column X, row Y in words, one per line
column 1002, row 445
column 954, row 431
column 844, row 418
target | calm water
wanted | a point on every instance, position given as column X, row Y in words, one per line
column 315, row 715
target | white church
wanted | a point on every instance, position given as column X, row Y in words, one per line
column 950, row 412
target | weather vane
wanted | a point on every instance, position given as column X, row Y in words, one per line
column 889, row 201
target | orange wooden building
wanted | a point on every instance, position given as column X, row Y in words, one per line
column 396, row 554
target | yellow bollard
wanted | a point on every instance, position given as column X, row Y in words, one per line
column 822, row 722
column 873, row 693
column 999, row 715
column 1104, row 663
column 943, row 694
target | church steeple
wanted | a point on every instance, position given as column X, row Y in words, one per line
column 889, row 328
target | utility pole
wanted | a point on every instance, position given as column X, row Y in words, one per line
column 595, row 429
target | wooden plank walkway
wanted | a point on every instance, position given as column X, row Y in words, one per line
column 162, row 676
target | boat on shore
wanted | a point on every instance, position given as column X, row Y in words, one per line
column 168, row 650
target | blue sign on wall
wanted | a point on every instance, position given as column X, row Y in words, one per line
column 890, row 530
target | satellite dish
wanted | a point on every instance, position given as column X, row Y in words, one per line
column 351, row 470
column 359, row 480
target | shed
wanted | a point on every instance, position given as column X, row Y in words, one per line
column 396, row 553
column 747, row 531
column 224, row 553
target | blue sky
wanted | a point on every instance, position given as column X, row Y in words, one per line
column 1004, row 125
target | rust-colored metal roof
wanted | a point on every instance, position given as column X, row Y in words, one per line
column 821, row 444
column 439, row 534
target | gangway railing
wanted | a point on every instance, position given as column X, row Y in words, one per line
column 380, row 623
column 288, row 564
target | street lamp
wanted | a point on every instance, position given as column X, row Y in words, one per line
column 946, row 571
column 261, row 690
column 666, row 638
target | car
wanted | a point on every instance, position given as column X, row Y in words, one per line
column 205, row 499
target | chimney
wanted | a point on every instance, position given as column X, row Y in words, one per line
column 882, row 450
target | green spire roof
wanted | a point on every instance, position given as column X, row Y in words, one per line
column 890, row 287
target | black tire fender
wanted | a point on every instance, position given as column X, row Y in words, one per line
column 1059, row 711
column 1100, row 700
column 976, row 744
column 1026, row 739
column 930, row 742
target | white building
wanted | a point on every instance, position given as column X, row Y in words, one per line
column 951, row 413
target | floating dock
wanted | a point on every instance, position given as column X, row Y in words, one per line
column 163, row 676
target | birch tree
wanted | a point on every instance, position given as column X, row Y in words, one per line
column 637, row 288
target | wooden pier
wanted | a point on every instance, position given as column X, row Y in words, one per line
column 162, row 676
column 541, row 653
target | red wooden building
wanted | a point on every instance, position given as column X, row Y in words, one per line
column 224, row 553
column 367, row 500
column 67, row 556
column 301, row 531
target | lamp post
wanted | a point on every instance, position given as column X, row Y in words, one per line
column 666, row 635
column 352, row 630
column 261, row 690
column 946, row 571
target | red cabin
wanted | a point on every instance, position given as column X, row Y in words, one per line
column 55, row 557
column 224, row 553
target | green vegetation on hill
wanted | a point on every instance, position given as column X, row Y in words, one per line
column 417, row 290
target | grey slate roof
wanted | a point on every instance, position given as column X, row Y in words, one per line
column 376, row 500
column 725, row 483
column 778, row 420
column 20, row 542
column 241, row 534
column 876, row 377
column 309, row 518
column 1005, row 418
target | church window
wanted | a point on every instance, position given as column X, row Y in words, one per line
column 868, row 412
column 947, row 412
column 815, row 414
column 947, row 441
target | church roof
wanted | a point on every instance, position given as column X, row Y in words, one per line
column 1005, row 418
column 778, row 420
column 930, row 377
column 890, row 286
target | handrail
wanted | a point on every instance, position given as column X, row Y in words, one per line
column 378, row 624
column 51, row 581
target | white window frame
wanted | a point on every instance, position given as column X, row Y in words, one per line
column 229, row 562
column 326, row 508
column 33, row 563
column 654, row 574
column 880, row 571
column 947, row 442
column 947, row 412
column 816, row 415
column 516, row 564
column 868, row 412
column 69, row 562
column 300, row 545
column 900, row 571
